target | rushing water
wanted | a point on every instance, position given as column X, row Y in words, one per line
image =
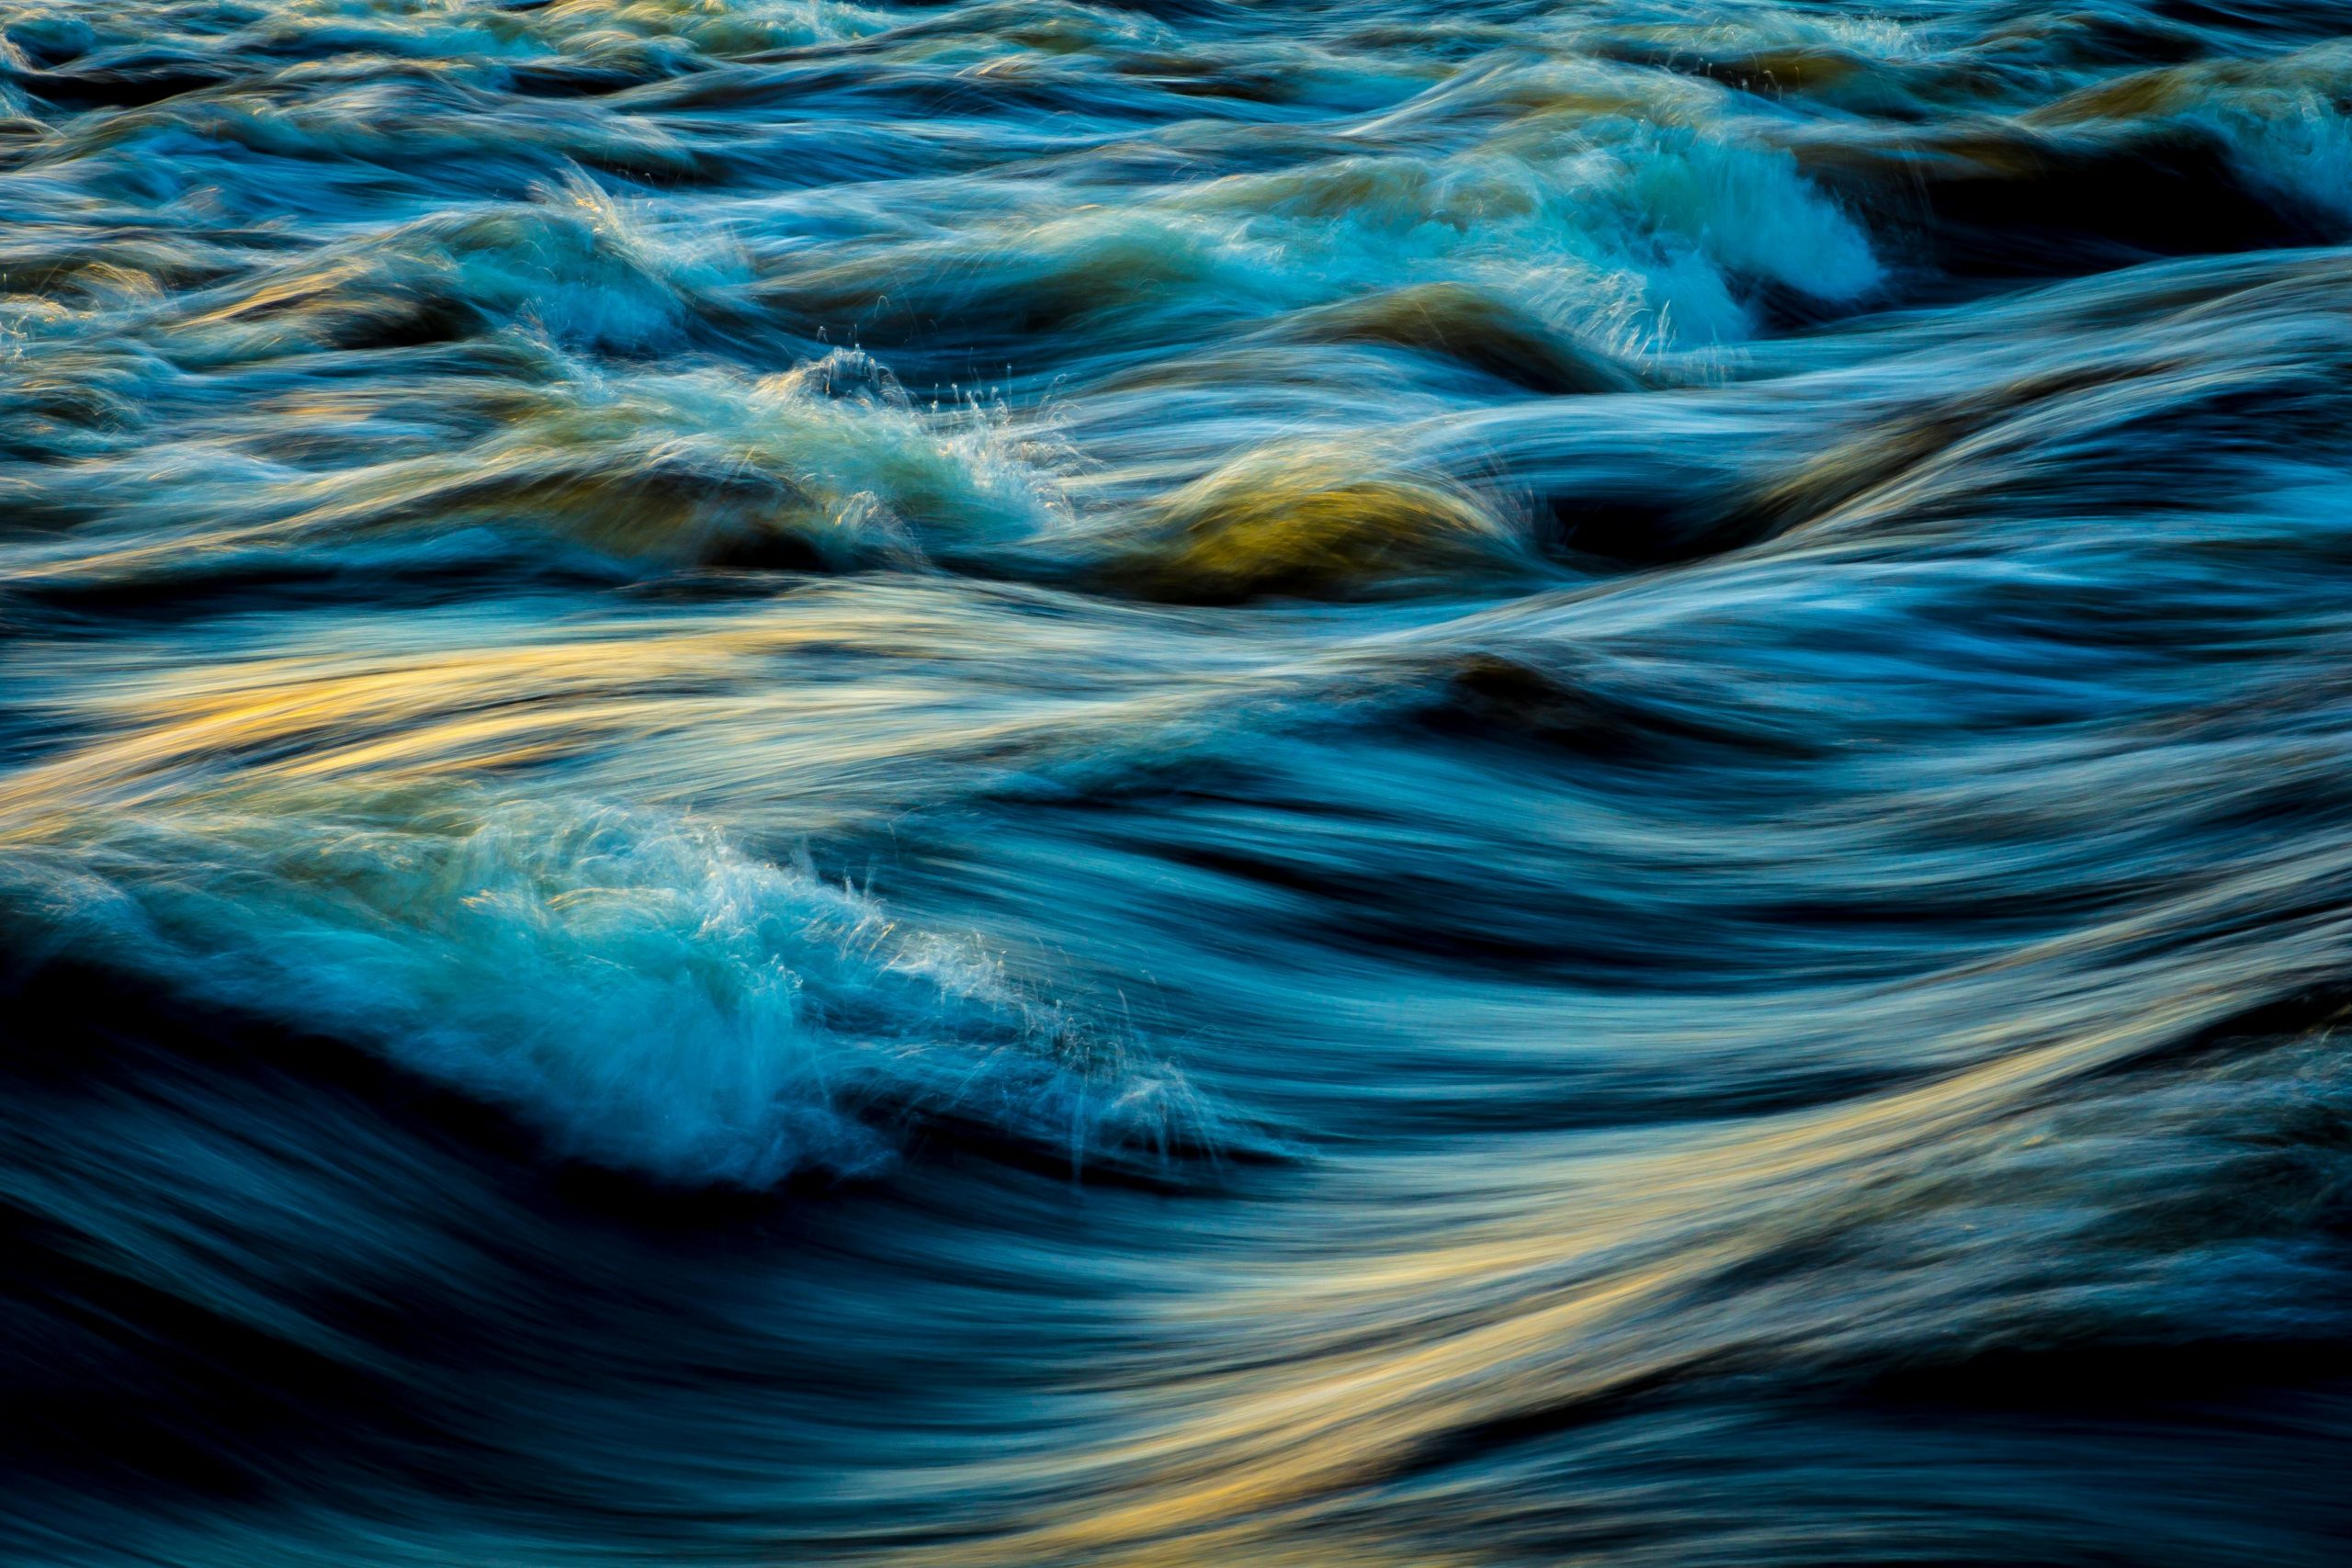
column 1175, row 783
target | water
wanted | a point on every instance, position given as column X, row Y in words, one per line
column 1180, row 784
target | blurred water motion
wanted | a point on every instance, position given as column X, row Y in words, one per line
column 1175, row 783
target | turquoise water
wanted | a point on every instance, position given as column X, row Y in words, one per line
column 1186, row 785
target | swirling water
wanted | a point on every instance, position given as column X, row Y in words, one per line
column 1178, row 784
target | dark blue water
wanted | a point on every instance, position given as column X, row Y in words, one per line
column 1191, row 784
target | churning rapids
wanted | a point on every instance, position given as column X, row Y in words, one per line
column 1189, row 784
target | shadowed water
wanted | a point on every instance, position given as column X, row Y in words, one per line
column 1175, row 783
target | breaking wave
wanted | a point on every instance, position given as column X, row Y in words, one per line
column 1175, row 783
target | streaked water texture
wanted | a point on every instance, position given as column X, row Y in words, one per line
column 1176, row 784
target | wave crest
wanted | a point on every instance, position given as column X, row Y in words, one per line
column 635, row 989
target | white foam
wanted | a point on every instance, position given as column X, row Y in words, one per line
column 1643, row 233
column 633, row 986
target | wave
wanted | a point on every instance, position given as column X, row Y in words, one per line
column 633, row 987
column 1174, row 781
column 828, row 465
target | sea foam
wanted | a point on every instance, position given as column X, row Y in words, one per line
column 642, row 992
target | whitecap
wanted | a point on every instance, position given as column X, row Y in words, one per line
column 640, row 991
